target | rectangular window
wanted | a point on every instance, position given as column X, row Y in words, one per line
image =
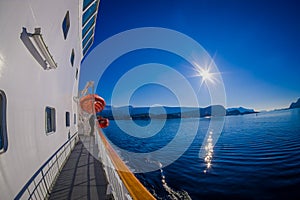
column 88, row 37
column 67, row 119
column 87, row 14
column 50, row 120
column 86, row 3
column 3, row 131
column 89, row 44
column 74, row 118
column 88, row 26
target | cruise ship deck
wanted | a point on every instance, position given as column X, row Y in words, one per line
column 83, row 176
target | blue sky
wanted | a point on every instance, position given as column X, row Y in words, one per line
column 255, row 45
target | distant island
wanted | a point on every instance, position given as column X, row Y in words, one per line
column 239, row 111
column 170, row 112
column 295, row 104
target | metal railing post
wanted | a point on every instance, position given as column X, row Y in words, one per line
column 56, row 160
column 44, row 180
column 38, row 190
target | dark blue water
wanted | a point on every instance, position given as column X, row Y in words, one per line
column 256, row 157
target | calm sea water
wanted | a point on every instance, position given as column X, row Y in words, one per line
column 256, row 157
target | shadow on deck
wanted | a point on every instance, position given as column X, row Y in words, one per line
column 82, row 177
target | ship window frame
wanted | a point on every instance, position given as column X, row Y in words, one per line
column 86, row 3
column 88, row 45
column 89, row 25
column 72, row 58
column 88, row 37
column 50, row 126
column 3, row 125
column 88, row 13
column 66, row 25
column 68, row 121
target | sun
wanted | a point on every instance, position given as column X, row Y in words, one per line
column 205, row 74
column 208, row 76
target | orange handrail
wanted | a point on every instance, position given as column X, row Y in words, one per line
column 136, row 190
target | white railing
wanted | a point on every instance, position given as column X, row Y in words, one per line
column 119, row 190
column 40, row 184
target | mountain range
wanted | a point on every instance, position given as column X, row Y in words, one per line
column 176, row 112
column 170, row 112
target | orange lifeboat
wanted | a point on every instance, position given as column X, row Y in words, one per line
column 92, row 101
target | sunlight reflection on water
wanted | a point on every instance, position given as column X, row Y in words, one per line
column 209, row 152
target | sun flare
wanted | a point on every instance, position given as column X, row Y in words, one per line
column 205, row 74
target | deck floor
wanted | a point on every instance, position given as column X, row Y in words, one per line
column 82, row 177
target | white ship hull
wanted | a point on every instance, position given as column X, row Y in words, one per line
column 30, row 89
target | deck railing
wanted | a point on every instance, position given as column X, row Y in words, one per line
column 117, row 187
column 40, row 184
column 123, row 183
